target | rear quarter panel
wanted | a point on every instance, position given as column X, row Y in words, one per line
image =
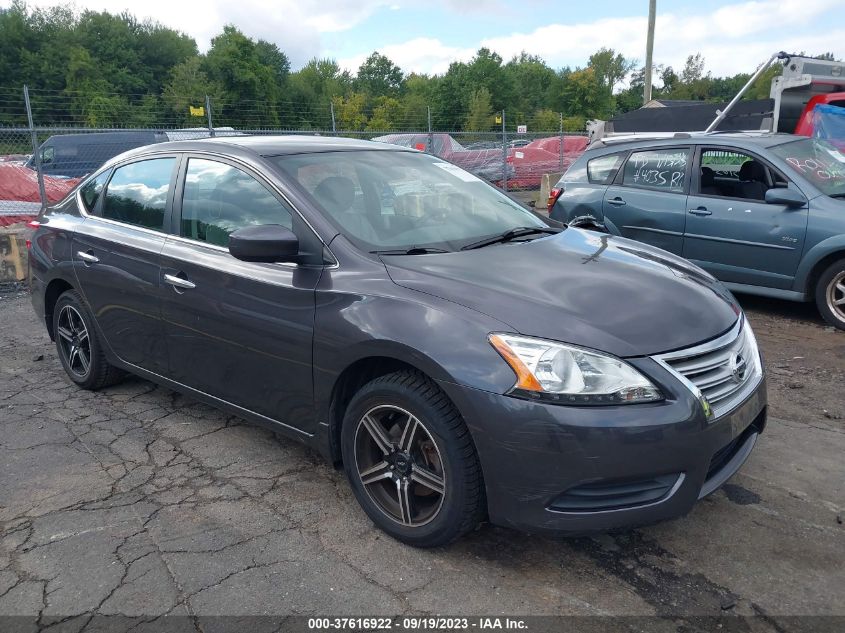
column 580, row 198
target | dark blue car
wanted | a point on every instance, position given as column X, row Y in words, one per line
column 763, row 213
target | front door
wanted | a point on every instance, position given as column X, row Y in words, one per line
column 647, row 201
column 239, row 331
column 116, row 254
column 731, row 231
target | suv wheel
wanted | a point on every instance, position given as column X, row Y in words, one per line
column 830, row 294
column 78, row 345
column 411, row 462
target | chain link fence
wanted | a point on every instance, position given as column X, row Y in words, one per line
column 49, row 140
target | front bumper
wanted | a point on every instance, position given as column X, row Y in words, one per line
column 546, row 465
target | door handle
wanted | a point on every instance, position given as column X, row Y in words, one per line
column 616, row 202
column 700, row 211
column 178, row 282
column 87, row 258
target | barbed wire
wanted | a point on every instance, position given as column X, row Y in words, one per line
column 529, row 146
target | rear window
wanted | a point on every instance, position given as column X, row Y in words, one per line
column 137, row 193
column 659, row 169
column 92, row 189
column 602, row 169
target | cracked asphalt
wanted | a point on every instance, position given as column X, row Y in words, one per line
column 139, row 501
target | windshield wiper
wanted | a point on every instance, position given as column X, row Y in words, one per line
column 511, row 234
column 415, row 250
column 837, row 195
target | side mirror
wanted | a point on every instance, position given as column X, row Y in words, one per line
column 787, row 197
column 264, row 243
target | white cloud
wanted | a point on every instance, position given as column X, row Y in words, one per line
column 735, row 38
column 296, row 26
column 420, row 54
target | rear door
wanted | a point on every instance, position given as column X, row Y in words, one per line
column 647, row 200
column 731, row 231
column 116, row 256
column 239, row 331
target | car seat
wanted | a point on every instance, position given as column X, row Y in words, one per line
column 752, row 176
column 708, row 182
column 336, row 194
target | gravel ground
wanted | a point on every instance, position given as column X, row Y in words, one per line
column 139, row 501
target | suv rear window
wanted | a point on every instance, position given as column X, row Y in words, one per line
column 602, row 169
column 660, row 169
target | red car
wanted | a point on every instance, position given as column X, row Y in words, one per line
column 543, row 156
column 526, row 164
column 484, row 163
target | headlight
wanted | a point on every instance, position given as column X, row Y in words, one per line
column 571, row 375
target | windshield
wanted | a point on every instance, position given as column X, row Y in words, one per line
column 818, row 161
column 395, row 200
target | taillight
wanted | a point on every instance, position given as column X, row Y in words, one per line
column 554, row 194
column 32, row 224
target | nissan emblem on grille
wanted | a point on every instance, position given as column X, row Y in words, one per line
column 737, row 367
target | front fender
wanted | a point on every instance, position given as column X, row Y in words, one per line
column 825, row 248
column 446, row 341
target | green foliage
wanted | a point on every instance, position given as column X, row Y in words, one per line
column 349, row 112
column 584, row 95
column 480, row 115
column 387, row 115
column 187, row 87
column 379, row 77
column 545, row 120
column 100, row 69
column 575, row 123
column 247, row 72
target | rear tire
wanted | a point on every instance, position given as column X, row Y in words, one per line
column 78, row 345
column 411, row 462
column 830, row 294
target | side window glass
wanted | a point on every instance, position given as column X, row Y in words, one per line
column 92, row 189
column 732, row 174
column 47, row 155
column 602, row 170
column 219, row 199
column 660, row 169
column 137, row 193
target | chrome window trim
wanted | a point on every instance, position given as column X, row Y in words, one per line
column 186, row 153
column 125, row 225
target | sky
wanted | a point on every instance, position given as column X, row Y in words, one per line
column 425, row 36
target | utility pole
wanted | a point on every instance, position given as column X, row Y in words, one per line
column 649, row 48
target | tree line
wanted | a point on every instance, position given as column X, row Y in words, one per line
column 104, row 70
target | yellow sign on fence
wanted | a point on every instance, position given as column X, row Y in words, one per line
column 200, row 111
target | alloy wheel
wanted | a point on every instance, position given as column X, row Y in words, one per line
column 400, row 465
column 74, row 341
column 836, row 296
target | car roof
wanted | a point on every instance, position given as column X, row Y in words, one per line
column 272, row 145
column 741, row 139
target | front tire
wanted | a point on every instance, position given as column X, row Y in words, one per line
column 78, row 345
column 830, row 294
column 411, row 462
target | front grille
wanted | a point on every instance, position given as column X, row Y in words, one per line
column 617, row 495
column 722, row 370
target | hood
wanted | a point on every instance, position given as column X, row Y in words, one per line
column 580, row 287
